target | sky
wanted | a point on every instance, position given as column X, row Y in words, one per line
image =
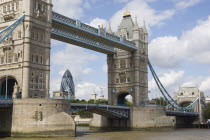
column 179, row 43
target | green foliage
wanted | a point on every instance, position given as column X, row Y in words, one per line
column 128, row 103
column 207, row 111
column 160, row 101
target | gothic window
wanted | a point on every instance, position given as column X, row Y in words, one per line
column 128, row 79
column 117, row 80
column 4, row 9
column 122, row 78
column 41, row 75
column 9, row 57
column 37, row 59
column 19, row 34
column 41, row 60
column 32, row 74
column 17, row 6
column 8, row 7
column 122, row 64
column 13, row 7
column 15, row 58
column 2, row 60
column 39, row 6
column 193, row 93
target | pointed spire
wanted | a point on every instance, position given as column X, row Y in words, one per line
column 109, row 29
column 136, row 26
column 144, row 28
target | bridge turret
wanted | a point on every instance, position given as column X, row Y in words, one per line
column 136, row 31
column 109, row 29
column 28, row 62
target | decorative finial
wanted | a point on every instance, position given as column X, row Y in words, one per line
column 109, row 29
column 127, row 13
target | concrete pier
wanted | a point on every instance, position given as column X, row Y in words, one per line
column 140, row 117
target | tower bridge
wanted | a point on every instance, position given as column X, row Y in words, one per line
column 26, row 30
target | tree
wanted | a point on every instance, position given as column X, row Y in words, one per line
column 160, row 101
column 207, row 111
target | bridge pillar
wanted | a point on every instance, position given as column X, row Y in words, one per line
column 150, row 117
column 42, row 117
column 127, row 71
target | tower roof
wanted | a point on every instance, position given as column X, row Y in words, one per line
column 127, row 24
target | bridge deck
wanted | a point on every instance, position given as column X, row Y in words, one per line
column 108, row 110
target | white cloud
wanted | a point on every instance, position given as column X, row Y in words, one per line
column 86, row 89
column 205, row 85
column 98, row 21
column 87, row 71
column 71, row 8
column 75, row 59
column 193, row 46
column 186, row 3
column 167, row 79
column 143, row 11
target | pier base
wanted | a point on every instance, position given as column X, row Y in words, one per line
column 42, row 117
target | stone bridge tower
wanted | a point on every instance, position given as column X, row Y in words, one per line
column 127, row 71
column 25, row 54
column 187, row 95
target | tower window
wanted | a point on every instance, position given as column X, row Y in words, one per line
column 128, row 79
column 19, row 34
column 117, row 80
column 122, row 64
column 13, row 6
column 2, row 60
column 122, row 78
column 4, row 9
column 17, row 6
column 37, row 59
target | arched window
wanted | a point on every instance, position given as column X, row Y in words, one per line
column 4, row 9
column 122, row 78
column 17, row 6
column 122, row 64
column 8, row 7
column 13, row 7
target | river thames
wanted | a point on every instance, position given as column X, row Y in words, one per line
column 83, row 133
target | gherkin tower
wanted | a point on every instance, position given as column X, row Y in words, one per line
column 67, row 84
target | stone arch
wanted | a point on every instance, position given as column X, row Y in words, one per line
column 185, row 103
column 7, row 83
column 121, row 98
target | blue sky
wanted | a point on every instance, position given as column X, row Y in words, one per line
column 179, row 43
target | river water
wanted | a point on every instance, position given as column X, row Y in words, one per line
column 83, row 133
